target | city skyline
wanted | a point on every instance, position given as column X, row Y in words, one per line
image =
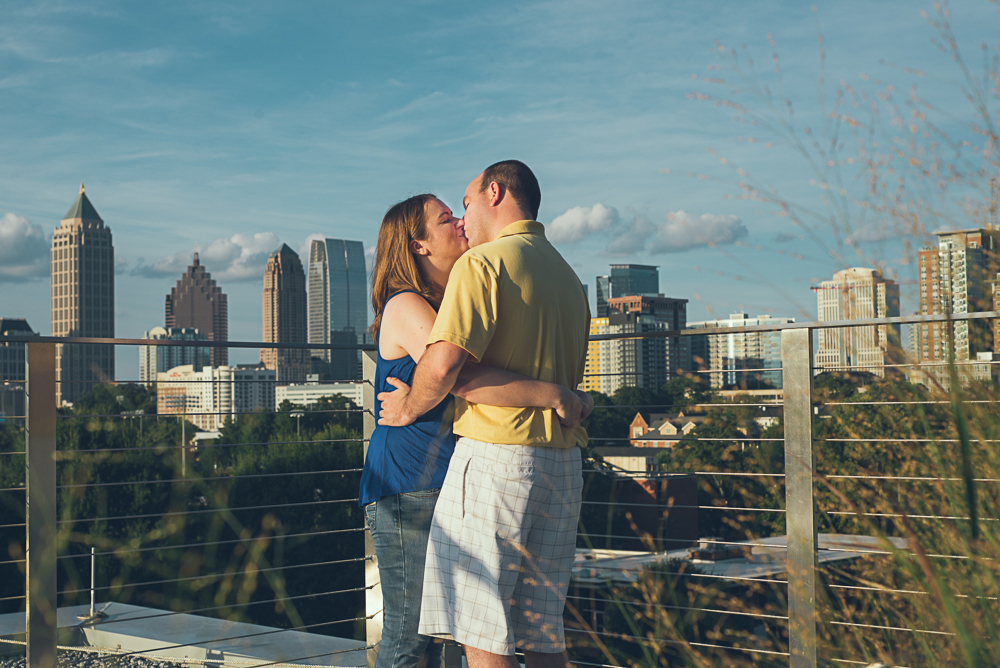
column 229, row 132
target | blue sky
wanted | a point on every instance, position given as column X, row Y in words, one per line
column 234, row 127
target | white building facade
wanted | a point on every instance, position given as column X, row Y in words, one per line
column 857, row 293
column 211, row 397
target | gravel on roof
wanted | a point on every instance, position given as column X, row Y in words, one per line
column 71, row 659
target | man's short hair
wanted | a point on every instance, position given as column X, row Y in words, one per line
column 520, row 183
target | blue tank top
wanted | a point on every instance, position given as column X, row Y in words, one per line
column 411, row 458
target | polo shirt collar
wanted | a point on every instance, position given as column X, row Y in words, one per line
column 523, row 227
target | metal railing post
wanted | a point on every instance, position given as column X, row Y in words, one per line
column 800, row 499
column 373, row 588
column 40, row 399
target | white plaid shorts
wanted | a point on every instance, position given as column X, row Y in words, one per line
column 501, row 547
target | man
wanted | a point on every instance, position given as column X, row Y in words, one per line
column 503, row 536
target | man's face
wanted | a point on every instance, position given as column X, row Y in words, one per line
column 477, row 210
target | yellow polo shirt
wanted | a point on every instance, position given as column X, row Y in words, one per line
column 515, row 303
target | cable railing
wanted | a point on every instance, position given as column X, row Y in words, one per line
column 153, row 536
column 716, row 528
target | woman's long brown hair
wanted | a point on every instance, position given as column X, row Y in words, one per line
column 395, row 269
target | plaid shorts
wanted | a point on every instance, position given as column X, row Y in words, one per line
column 501, row 547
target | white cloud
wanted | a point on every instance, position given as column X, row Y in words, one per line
column 582, row 221
column 236, row 258
column 682, row 232
column 679, row 231
column 24, row 249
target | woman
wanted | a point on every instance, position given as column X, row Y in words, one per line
column 418, row 243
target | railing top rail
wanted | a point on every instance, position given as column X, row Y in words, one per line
column 23, row 338
column 815, row 324
column 669, row 333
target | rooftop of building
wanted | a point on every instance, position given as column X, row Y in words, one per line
column 15, row 326
column 763, row 558
column 82, row 209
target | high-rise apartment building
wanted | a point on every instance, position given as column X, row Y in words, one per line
column 12, row 360
column 338, row 302
column 626, row 279
column 157, row 359
column 956, row 277
column 738, row 360
column 213, row 396
column 648, row 362
column 83, row 299
column 196, row 302
column 857, row 293
column 285, row 316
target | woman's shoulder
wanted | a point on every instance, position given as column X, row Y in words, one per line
column 405, row 304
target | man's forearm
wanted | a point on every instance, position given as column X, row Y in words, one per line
column 434, row 377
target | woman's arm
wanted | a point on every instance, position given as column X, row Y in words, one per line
column 406, row 323
column 499, row 387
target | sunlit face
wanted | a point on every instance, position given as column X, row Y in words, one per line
column 444, row 233
column 476, row 213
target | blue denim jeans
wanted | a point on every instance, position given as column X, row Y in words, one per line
column 400, row 525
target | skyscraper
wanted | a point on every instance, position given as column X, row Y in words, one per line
column 83, row 299
column 338, row 300
column 626, row 280
column 647, row 363
column 285, row 316
column 855, row 294
column 196, row 302
column 743, row 360
column 956, row 277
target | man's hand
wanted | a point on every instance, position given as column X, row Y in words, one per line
column 573, row 407
column 588, row 403
column 394, row 413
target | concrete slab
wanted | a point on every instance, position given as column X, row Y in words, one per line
column 178, row 636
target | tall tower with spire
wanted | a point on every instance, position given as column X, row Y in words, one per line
column 285, row 316
column 83, row 299
column 197, row 302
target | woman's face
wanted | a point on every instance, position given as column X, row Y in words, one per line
column 445, row 234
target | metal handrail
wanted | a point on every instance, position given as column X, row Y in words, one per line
column 667, row 333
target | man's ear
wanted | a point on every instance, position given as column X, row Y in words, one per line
column 418, row 247
column 497, row 193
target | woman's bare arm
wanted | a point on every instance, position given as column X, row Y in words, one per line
column 494, row 386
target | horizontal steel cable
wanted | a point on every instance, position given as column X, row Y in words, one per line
column 623, row 636
column 677, row 607
column 204, row 479
column 214, row 542
column 682, row 437
column 173, row 415
column 12, row 526
column 204, row 445
column 914, row 517
column 890, row 628
column 912, row 478
column 211, row 576
column 199, row 512
column 638, row 505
